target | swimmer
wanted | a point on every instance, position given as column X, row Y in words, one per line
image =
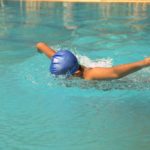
column 65, row 63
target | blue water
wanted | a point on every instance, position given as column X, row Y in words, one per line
column 40, row 112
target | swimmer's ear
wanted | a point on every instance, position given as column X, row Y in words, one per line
column 77, row 73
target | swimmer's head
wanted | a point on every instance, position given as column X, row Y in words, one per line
column 64, row 63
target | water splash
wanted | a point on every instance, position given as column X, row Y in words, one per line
column 85, row 61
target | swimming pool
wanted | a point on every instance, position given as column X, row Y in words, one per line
column 40, row 112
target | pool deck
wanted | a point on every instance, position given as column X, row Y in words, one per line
column 93, row 1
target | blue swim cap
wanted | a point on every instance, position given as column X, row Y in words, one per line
column 64, row 63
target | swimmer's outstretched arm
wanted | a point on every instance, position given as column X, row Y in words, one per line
column 43, row 47
column 115, row 72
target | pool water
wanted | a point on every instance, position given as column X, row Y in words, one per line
column 40, row 112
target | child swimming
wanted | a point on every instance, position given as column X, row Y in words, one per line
column 65, row 63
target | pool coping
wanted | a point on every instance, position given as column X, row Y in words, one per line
column 92, row 1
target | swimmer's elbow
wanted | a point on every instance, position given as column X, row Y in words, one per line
column 115, row 74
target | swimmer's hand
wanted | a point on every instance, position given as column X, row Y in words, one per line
column 39, row 47
column 147, row 61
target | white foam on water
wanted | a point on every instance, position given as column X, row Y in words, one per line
column 86, row 61
column 103, row 62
